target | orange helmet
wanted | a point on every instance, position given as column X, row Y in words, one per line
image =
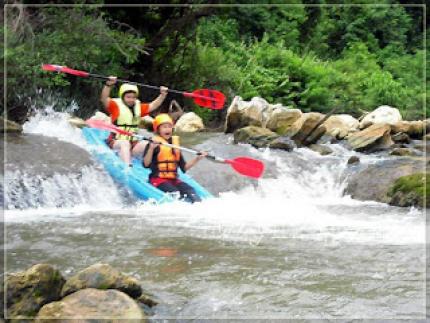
column 160, row 119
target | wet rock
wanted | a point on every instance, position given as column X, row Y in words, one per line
column 321, row 149
column 284, row 143
column 300, row 130
column 401, row 137
column 281, row 119
column 146, row 123
column 410, row 190
column 92, row 304
column 382, row 115
column 374, row 138
column 102, row 276
column 353, row 160
column 189, row 122
column 256, row 136
column 9, row 126
column 414, row 129
column 339, row 126
column 404, row 152
column 29, row 290
column 374, row 182
column 148, row 300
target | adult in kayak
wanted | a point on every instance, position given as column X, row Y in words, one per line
column 164, row 161
column 126, row 112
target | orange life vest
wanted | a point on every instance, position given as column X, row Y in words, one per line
column 168, row 159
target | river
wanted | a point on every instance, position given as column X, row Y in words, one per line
column 289, row 245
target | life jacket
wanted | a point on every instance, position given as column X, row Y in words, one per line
column 167, row 159
column 128, row 118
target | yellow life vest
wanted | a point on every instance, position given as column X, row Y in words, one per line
column 168, row 159
column 127, row 119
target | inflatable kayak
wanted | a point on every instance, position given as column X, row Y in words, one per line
column 136, row 178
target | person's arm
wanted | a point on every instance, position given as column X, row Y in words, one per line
column 195, row 160
column 104, row 97
column 149, row 153
column 154, row 105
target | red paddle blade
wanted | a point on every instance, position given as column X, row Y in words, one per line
column 211, row 99
column 247, row 166
column 63, row 69
column 100, row 124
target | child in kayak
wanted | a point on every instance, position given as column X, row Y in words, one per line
column 164, row 161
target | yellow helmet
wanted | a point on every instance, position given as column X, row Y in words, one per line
column 126, row 87
column 160, row 119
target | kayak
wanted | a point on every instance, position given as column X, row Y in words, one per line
column 136, row 177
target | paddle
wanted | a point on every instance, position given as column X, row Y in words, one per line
column 243, row 165
column 211, row 99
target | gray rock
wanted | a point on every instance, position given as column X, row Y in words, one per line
column 322, row 150
column 9, row 126
column 92, row 304
column 256, row 136
column 29, row 290
column 404, row 152
column 401, row 138
column 102, row 276
column 353, row 160
column 284, row 143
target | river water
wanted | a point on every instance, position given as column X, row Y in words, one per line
column 289, row 245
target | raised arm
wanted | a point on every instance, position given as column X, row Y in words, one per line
column 104, row 97
column 154, row 105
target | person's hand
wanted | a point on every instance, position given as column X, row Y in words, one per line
column 201, row 155
column 153, row 144
column 111, row 81
column 163, row 90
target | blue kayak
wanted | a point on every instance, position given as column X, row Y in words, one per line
column 135, row 178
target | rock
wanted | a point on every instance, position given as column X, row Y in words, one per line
column 29, row 290
column 189, row 122
column 300, row 129
column 426, row 137
column 373, row 182
column 101, row 116
column 322, row 150
column 410, row 190
column 146, row 123
column 91, row 304
column 77, row 122
column 414, row 129
column 256, row 136
column 102, row 276
column 404, row 152
column 383, row 114
column 373, row 138
column 282, row 118
column 401, row 138
column 148, row 300
column 340, row 125
column 284, row 143
column 353, row 160
column 9, row 126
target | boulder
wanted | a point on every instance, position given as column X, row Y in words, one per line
column 92, row 304
column 256, row 136
column 410, row 190
column 401, row 138
column 374, row 182
column 404, row 152
column 383, row 114
column 283, row 142
column 9, row 126
column 414, row 129
column 102, row 276
column 340, row 125
column 101, row 116
column 281, row 119
column 373, row 138
column 353, row 160
column 189, row 122
column 300, row 130
column 29, row 290
column 321, row 149
column 146, row 123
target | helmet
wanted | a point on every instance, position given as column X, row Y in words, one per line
column 160, row 119
column 126, row 87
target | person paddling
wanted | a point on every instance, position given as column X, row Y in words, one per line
column 164, row 161
column 126, row 112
